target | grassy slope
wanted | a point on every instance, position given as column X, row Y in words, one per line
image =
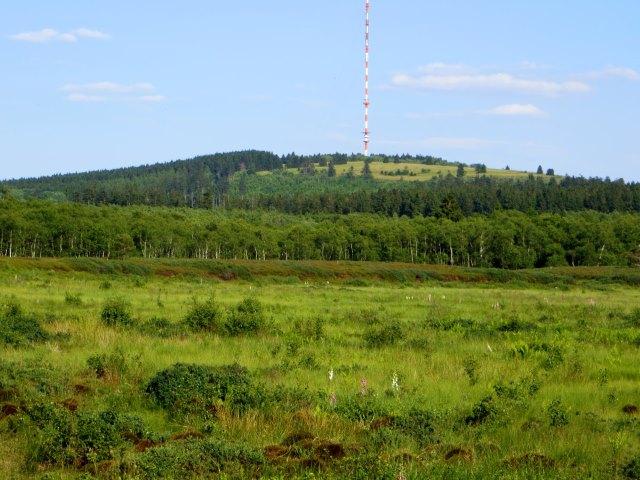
column 595, row 377
column 317, row 270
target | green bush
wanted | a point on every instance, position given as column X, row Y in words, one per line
column 109, row 365
column 557, row 413
column 205, row 317
column 184, row 388
column 116, row 312
column 417, row 424
column 52, row 439
column 71, row 299
column 60, row 438
column 632, row 469
column 387, row 334
column 18, row 328
column 200, row 458
column 361, row 408
column 248, row 317
column 97, row 436
column 163, row 328
column 482, row 412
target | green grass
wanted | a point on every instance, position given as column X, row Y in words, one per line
column 496, row 380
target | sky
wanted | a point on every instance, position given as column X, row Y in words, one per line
column 102, row 84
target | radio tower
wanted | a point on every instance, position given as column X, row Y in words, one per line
column 366, row 84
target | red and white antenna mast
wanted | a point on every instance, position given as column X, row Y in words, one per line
column 366, row 84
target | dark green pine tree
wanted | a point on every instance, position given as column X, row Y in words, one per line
column 331, row 170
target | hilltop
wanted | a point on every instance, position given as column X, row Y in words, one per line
column 204, row 180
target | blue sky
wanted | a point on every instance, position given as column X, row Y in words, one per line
column 103, row 84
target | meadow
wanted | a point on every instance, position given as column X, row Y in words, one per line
column 176, row 372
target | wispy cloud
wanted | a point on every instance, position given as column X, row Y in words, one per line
column 112, row 91
column 152, row 98
column 83, row 97
column 48, row 35
column 87, row 33
column 516, row 110
column 111, row 87
column 491, row 82
column 614, row 72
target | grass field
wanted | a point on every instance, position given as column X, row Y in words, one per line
column 410, row 171
column 169, row 371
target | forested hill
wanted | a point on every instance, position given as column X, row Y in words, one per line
column 333, row 184
column 203, row 181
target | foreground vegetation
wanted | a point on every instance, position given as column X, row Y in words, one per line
column 182, row 369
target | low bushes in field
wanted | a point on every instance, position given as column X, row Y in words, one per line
column 205, row 316
column 362, row 408
column 189, row 388
column 108, row 366
column 197, row 457
column 163, row 328
column 18, row 328
column 248, row 317
column 388, row 333
column 631, row 469
column 61, row 437
column 116, row 312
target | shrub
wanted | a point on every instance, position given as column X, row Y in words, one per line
column 387, row 334
column 62, row 439
column 417, row 424
column 116, row 313
column 205, row 317
column 18, row 328
column 632, row 469
column 98, row 436
column 195, row 458
column 163, row 328
column 311, row 329
column 184, row 388
column 71, row 299
column 483, row 411
column 633, row 318
column 471, row 366
column 248, row 317
column 53, row 439
column 108, row 366
column 557, row 414
column 361, row 408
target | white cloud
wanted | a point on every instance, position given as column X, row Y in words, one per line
column 87, row 33
column 45, row 35
column 48, row 35
column 615, row 72
column 516, row 109
column 110, row 87
column 83, row 97
column 112, row 91
column 495, row 82
column 152, row 98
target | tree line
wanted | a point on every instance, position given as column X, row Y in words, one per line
column 502, row 239
column 455, row 198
